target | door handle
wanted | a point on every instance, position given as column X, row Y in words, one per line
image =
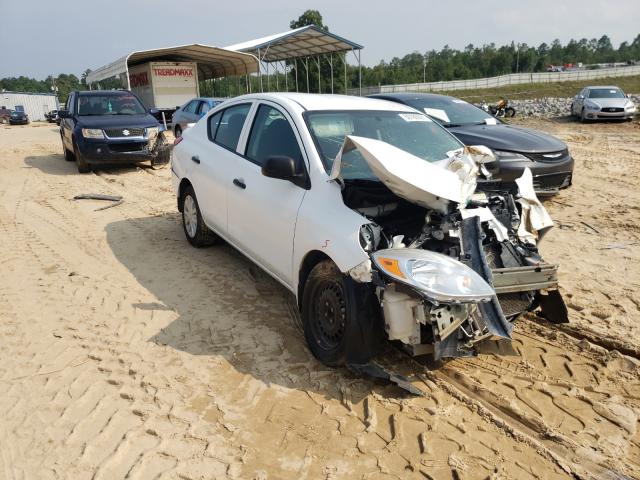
column 239, row 183
column 195, row 159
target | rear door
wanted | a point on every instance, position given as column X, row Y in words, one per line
column 262, row 210
column 212, row 161
column 67, row 124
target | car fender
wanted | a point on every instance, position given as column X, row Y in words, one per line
column 326, row 225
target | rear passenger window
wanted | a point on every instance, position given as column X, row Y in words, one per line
column 204, row 108
column 230, row 125
column 272, row 135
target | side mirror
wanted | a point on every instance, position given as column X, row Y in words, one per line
column 63, row 114
column 284, row 168
column 580, row 97
column 154, row 111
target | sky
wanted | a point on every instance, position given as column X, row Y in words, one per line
column 43, row 37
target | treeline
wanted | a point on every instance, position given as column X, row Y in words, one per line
column 489, row 60
column 62, row 84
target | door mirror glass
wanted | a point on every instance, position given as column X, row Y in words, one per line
column 63, row 113
column 154, row 111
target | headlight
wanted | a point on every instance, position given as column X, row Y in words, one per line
column 503, row 156
column 152, row 131
column 437, row 276
column 630, row 108
column 591, row 106
column 92, row 133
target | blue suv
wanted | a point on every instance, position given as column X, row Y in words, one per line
column 109, row 127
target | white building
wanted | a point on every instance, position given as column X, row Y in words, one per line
column 34, row 104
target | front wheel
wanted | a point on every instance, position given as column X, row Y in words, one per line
column 583, row 119
column 178, row 131
column 341, row 318
column 198, row 234
column 81, row 163
column 510, row 112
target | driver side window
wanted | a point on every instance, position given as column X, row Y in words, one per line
column 272, row 135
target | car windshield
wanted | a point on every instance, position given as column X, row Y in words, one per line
column 120, row 104
column 452, row 111
column 412, row 132
column 605, row 93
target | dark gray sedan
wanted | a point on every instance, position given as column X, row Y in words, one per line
column 515, row 148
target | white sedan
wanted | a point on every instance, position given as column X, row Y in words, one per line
column 368, row 212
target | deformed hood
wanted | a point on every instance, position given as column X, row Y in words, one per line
column 431, row 185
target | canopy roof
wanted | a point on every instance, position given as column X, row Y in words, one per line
column 300, row 42
column 213, row 62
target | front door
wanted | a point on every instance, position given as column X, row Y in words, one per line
column 262, row 210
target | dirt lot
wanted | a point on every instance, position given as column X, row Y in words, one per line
column 126, row 353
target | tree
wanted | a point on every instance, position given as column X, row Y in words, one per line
column 309, row 17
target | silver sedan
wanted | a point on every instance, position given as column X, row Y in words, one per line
column 191, row 112
column 603, row 102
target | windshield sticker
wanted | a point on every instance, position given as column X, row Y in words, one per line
column 457, row 100
column 437, row 113
column 413, row 117
column 613, row 91
column 490, row 121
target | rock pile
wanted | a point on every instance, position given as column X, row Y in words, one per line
column 550, row 106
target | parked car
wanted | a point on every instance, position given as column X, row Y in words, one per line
column 602, row 103
column 52, row 116
column 18, row 118
column 191, row 112
column 5, row 114
column 107, row 127
column 515, row 148
column 367, row 211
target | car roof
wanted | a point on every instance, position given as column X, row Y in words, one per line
column 407, row 96
column 93, row 93
column 315, row 101
column 603, row 86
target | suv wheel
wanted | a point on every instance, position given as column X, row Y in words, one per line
column 341, row 318
column 68, row 156
column 196, row 231
column 83, row 166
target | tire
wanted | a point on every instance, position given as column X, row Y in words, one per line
column 342, row 319
column 177, row 131
column 583, row 119
column 68, row 156
column 81, row 163
column 510, row 112
column 197, row 233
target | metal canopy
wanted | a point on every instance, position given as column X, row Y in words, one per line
column 213, row 62
column 301, row 42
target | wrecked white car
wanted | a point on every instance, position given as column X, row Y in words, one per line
column 370, row 214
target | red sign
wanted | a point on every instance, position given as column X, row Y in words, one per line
column 173, row 72
column 139, row 79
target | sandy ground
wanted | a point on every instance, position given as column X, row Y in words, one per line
column 127, row 354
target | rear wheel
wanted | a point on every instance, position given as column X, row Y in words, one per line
column 510, row 112
column 198, row 234
column 341, row 318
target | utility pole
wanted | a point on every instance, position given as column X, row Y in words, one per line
column 424, row 71
column 517, row 57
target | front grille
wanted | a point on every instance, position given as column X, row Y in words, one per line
column 127, row 147
column 549, row 157
column 119, row 132
column 612, row 109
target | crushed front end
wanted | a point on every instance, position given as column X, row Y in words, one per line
column 452, row 269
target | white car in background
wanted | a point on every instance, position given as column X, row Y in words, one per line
column 368, row 212
column 602, row 103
